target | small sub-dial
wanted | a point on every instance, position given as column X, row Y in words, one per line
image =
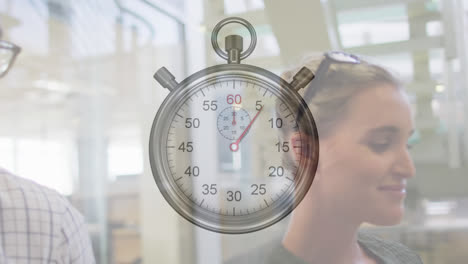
column 232, row 121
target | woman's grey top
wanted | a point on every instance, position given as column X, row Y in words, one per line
column 383, row 251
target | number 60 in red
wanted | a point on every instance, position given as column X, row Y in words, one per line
column 234, row 99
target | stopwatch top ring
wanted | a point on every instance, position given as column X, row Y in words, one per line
column 230, row 20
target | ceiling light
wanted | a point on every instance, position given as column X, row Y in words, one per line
column 440, row 88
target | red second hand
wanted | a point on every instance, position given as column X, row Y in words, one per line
column 234, row 118
column 235, row 146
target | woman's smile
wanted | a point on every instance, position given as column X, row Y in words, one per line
column 397, row 191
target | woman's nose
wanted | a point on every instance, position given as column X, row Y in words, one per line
column 404, row 166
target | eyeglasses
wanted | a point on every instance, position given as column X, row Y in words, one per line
column 8, row 53
column 332, row 57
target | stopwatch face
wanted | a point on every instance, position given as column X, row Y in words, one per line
column 222, row 153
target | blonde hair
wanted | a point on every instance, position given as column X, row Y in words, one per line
column 337, row 87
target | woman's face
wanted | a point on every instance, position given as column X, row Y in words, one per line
column 364, row 166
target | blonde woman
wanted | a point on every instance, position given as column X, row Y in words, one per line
column 364, row 121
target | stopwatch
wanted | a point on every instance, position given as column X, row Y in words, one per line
column 233, row 147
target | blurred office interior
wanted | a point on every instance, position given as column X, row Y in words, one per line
column 76, row 108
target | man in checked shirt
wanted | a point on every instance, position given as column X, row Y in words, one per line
column 37, row 225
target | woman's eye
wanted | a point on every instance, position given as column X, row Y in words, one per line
column 379, row 147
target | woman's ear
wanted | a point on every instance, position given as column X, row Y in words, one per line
column 296, row 139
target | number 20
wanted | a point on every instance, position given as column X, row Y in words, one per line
column 276, row 171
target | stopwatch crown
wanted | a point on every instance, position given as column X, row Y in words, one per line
column 234, row 46
column 234, row 42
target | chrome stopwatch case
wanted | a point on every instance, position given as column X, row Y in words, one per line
column 221, row 145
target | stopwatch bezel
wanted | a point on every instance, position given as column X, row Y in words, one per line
column 163, row 176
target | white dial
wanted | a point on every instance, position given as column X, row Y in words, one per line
column 223, row 155
column 194, row 147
